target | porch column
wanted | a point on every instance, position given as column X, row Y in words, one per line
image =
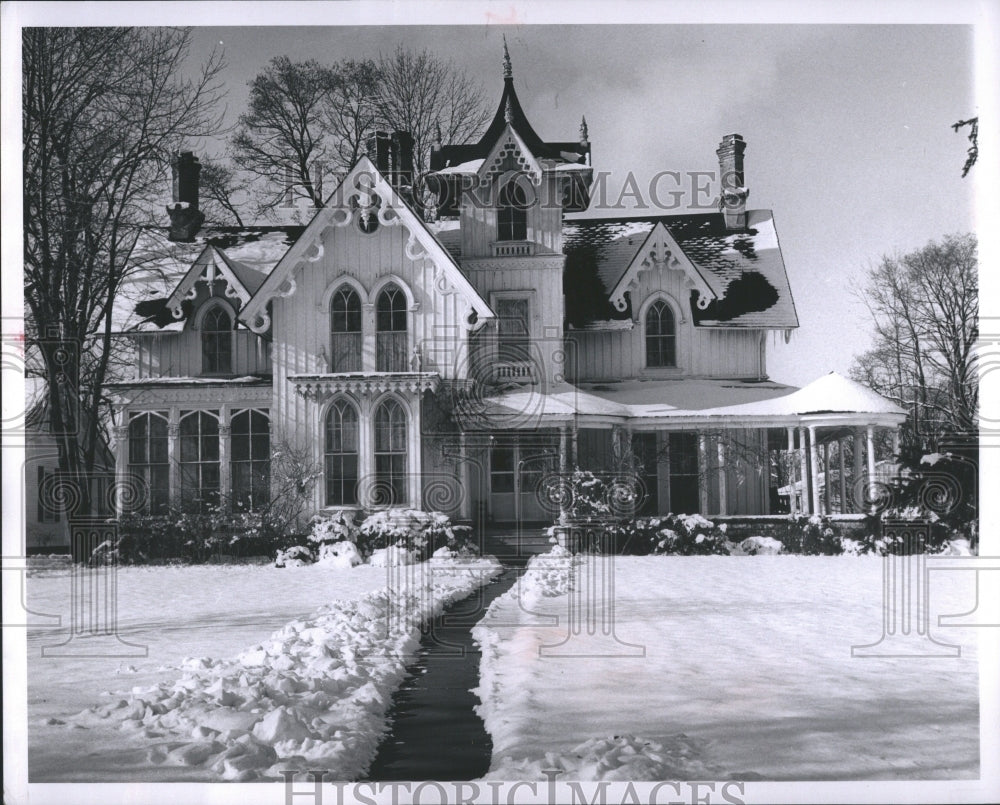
column 827, row 481
column 564, row 471
column 895, row 442
column 720, row 447
column 814, row 469
column 790, row 463
column 856, row 478
column 121, row 464
column 702, row 474
column 225, row 452
column 174, row 455
column 804, row 471
column 574, row 446
column 843, row 477
column 414, row 487
column 870, row 444
column 462, row 475
column 766, row 453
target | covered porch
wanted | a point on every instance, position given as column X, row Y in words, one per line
column 767, row 449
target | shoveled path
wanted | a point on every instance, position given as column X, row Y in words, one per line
column 436, row 734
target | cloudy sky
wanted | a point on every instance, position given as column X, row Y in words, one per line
column 848, row 129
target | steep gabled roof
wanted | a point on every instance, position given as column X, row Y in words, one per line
column 243, row 281
column 750, row 258
column 509, row 112
column 140, row 305
column 394, row 210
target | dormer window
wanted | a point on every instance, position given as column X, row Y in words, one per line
column 217, row 342
column 661, row 336
column 512, row 212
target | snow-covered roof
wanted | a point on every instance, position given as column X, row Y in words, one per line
column 721, row 400
column 160, row 264
column 744, row 268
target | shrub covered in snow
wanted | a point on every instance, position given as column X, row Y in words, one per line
column 813, row 535
column 329, row 528
column 414, row 530
column 296, row 556
column 343, row 554
column 191, row 535
column 679, row 534
column 761, row 546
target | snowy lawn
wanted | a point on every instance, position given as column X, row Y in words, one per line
column 249, row 669
column 747, row 674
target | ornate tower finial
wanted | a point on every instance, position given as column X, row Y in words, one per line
column 508, row 112
column 507, row 70
column 584, row 140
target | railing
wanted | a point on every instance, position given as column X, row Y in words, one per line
column 513, row 248
column 514, row 371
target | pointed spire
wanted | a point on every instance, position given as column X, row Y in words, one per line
column 508, row 72
column 584, row 139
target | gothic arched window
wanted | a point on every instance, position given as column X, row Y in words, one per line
column 390, row 326
column 661, row 336
column 345, row 330
column 217, row 342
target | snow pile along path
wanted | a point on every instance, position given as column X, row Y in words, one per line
column 313, row 696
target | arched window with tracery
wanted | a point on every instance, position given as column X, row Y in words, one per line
column 390, row 325
column 341, row 454
column 345, row 330
column 199, row 437
column 661, row 336
column 217, row 342
column 390, row 454
column 251, row 460
column 148, row 461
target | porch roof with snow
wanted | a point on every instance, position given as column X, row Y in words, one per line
column 831, row 400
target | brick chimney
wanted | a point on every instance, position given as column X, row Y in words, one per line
column 185, row 217
column 379, row 148
column 733, row 200
column 402, row 159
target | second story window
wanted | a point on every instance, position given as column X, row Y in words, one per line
column 512, row 212
column 345, row 331
column 390, row 324
column 661, row 336
column 512, row 334
column 217, row 342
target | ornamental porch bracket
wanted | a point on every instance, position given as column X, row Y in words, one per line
column 323, row 386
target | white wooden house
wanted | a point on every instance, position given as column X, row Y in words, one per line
column 467, row 363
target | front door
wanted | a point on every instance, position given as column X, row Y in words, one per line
column 517, row 468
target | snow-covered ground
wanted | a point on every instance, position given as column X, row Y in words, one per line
column 722, row 668
column 247, row 666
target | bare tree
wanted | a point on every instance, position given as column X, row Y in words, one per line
column 282, row 138
column 223, row 192
column 103, row 109
column 423, row 94
column 307, row 123
column 925, row 308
